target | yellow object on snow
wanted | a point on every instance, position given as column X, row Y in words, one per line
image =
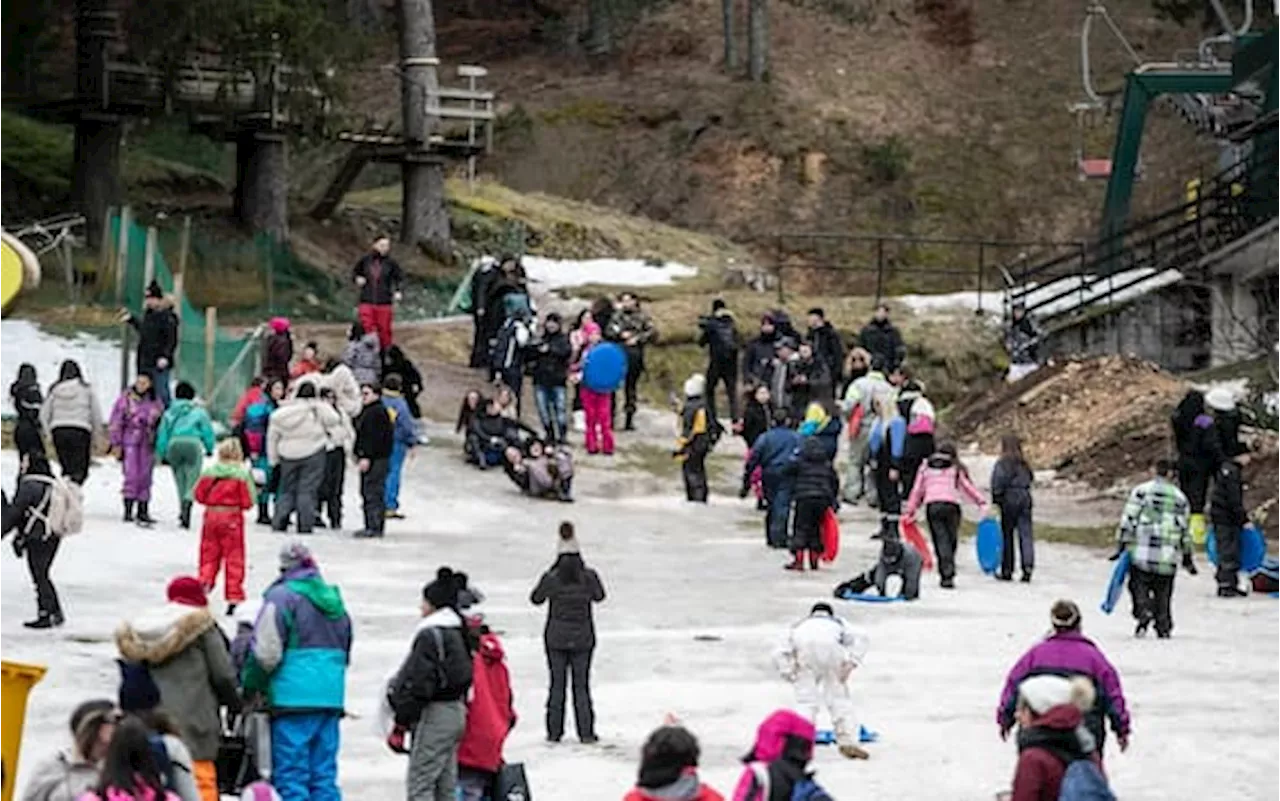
column 19, row 269
column 1199, row 531
column 16, row 681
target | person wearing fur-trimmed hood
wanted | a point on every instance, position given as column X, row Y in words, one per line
column 188, row 658
column 694, row 443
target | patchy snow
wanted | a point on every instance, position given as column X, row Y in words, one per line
column 695, row 604
column 561, row 273
column 99, row 359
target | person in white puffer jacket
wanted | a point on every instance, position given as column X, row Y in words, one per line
column 298, row 434
column 818, row 657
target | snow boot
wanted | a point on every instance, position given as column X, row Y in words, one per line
column 813, row 560
column 184, row 515
column 43, row 621
column 264, row 516
column 1026, row 577
column 797, row 563
column 231, row 609
column 1144, row 623
column 854, row 752
column 128, row 510
column 144, row 515
column 629, row 424
column 1231, row 592
column 948, row 584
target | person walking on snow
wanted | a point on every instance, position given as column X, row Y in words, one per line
column 132, row 432
column 27, row 518
column 378, row 278
column 633, row 328
column 374, row 444
column 694, row 443
column 859, row 407
column 362, row 354
column 1155, row 529
column 226, row 492
column 277, row 351
column 428, row 694
column 298, row 659
column 819, row 655
column 881, row 339
column 1051, row 737
column 1011, row 480
column 1067, row 652
column 827, row 347
column 938, row 488
column 297, row 435
column 772, row 452
column 491, row 715
column 815, row 488
column 187, row 655
column 571, row 588
column 406, row 437
column 157, row 338
column 510, row 350
column 184, row 438
column 71, row 416
column 24, row 394
column 718, row 333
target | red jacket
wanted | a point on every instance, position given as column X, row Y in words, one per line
column 705, row 793
column 216, row 489
column 490, row 715
column 1042, row 747
column 251, row 396
column 303, row 367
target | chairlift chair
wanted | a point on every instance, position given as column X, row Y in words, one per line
column 1089, row 169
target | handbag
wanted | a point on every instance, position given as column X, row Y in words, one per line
column 511, row 783
column 244, row 753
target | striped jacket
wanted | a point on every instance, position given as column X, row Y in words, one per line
column 1155, row 526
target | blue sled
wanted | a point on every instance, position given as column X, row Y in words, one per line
column 1115, row 586
column 828, row 736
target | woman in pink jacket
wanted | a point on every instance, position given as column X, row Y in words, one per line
column 939, row 487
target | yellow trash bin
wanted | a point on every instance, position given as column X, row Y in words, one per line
column 16, row 681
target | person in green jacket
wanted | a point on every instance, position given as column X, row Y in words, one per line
column 184, row 438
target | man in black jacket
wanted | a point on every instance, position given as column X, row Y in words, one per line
column 1228, row 514
column 482, row 281
column 428, row 695
column 827, row 346
column 551, row 353
column 759, row 353
column 25, row 516
column 719, row 335
column 881, row 338
column 157, row 339
column 378, row 278
column 809, row 381
column 375, row 436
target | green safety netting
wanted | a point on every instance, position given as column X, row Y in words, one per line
column 234, row 356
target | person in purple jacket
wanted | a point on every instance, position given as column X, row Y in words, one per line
column 1066, row 652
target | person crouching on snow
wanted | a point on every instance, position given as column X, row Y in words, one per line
column 226, row 491
column 896, row 559
column 818, row 657
column 694, row 442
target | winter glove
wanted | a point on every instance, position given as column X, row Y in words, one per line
column 1123, row 740
column 743, row 490
column 396, row 740
column 1189, row 564
column 1118, row 553
column 19, row 546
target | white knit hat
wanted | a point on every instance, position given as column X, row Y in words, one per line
column 1220, row 399
column 1042, row 693
column 695, row 386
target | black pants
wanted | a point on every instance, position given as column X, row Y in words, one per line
column 1152, row 596
column 944, row 528
column 1015, row 527
column 479, row 342
column 635, row 369
column 695, row 476
column 1228, row 541
column 887, row 490
column 1193, row 480
column 40, row 555
column 72, row 446
column 335, row 475
column 722, row 373
column 561, row 663
column 28, row 438
column 373, row 487
column 806, row 525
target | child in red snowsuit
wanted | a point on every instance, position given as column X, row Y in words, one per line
column 226, row 491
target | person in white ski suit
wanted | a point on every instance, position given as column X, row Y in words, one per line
column 864, row 392
column 818, row 657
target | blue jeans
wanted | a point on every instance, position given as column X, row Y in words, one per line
column 552, row 412
column 777, row 492
column 160, row 378
column 391, row 497
column 304, row 756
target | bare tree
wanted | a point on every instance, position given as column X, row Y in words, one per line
column 599, row 27
column 424, row 219
column 758, row 40
column 730, row 45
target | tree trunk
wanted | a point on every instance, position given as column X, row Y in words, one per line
column 758, row 40
column 95, row 185
column 262, row 202
column 424, row 219
column 599, row 28
column 730, row 45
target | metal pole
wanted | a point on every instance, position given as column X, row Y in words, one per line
column 122, row 265
column 879, row 269
column 981, row 270
column 69, row 269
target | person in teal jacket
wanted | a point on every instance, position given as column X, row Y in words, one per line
column 406, row 436
column 184, row 438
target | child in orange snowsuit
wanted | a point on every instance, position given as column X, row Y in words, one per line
column 226, row 491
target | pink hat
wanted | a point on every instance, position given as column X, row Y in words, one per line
column 187, row 591
column 279, row 324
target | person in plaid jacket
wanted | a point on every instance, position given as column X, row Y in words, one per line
column 1155, row 529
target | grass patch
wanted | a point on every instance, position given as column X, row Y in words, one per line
column 1098, row 537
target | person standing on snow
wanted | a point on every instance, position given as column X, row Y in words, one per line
column 482, row 281
column 132, row 432
column 187, row 656
column 633, row 328
column 887, row 444
column 378, row 279
column 882, row 340
column 277, row 350
column 820, row 654
column 815, row 488
column 1229, row 516
column 298, row 659
column 1051, row 737
column 71, row 416
column 257, row 421
column 669, row 768
column 1011, row 481
column 570, row 635
column 308, row 362
column 184, row 438
column 759, row 353
column 428, row 694
column 336, row 453
column 362, row 355
column 695, row 441
column 374, row 444
column 859, row 405
column 827, row 347
column 938, row 488
column 1067, row 652
column 1155, row 529
column 551, row 355
column 406, row 437
column 510, row 352
column 718, row 333
column 1196, row 442
column 297, row 434
column 157, row 338
column 772, row 453
column 27, row 516
column 491, row 715
column 24, row 394
column 226, row 492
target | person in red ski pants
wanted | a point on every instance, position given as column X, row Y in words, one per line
column 226, row 491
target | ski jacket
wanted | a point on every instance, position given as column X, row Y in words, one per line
column 247, row 398
column 157, row 336
column 828, row 348
column 815, row 478
column 719, row 335
column 1022, row 341
column 570, row 626
column 71, row 404
column 784, row 742
column 756, row 358
column 405, row 432
column 882, row 340
column 26, row 400
column 863, row 393
column 226, row 485
column 1070, row 653
column 438, row 668
column 304, row 367
column 773, row 450
column 30, row 504
column 134, row 420
column 491, row 712
column 382, row 278
column 364, row 357
column 686, row 788
column 1011, row 483
column 756, row 419
column 188, row 658
column 277, row 353
column 62, row 777
column 695, row 437
column 300, row 428
column 375, row 433
column 551, row 360
column 941, row 481
column 1045, row 749
column 184, row 418
column 888, row 441
column 342, row 382
column 1155, row 527
column 821, row 644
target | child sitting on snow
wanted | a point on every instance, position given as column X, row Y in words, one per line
column 543, row 473
column 694, row 442
column 895, row 559
column 226, row 490
column 818, row 657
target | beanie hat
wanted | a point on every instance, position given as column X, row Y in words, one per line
column 138, row 691
column 279, row 324
column 188, row 591
column 154, row 290
column 823, row 607
column 1044, row 692
column 695, row 386
column 1220, row 399
column 295, row 555
column 717, row 304
column 568, row 542
column 443, row 592
column 1064, row 615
